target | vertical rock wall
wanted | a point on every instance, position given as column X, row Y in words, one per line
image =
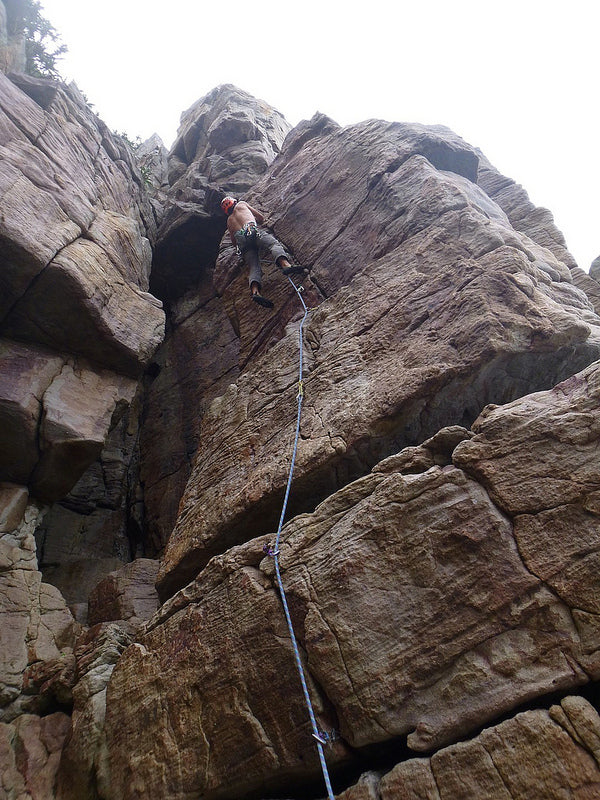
column 440, row 547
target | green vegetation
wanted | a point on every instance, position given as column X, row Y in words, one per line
column 133, row 143
column 42, row 45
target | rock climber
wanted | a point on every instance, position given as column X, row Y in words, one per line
column 242, row 224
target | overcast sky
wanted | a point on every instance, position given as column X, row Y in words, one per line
column 517, row 79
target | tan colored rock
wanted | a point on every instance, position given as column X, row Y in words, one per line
column 36, row 627
column 589, row 285
column 30, row 750
column 25, row 375
column 562, row 421
column 111, row 320
column 555, row 506
column 420, row 355
column 79, row 408
column 537, row 223
column 414, row 612
column 523, row 758
column 412, row 780
column 197, row 362
column 13, row 502
column 75, row 232
column 580, row 720
column 367, row 788
column 227, row 733
column 17, row 545
column 84, row 770
column 126, row 594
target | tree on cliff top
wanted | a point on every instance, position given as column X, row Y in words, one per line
column 42, row 47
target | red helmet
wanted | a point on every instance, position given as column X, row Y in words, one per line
column 228, row 204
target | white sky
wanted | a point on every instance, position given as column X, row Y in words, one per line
column 517, row 79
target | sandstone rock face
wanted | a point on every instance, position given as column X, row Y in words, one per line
column 84, row 770
column 225, row 143
column 436, row 306
column 441, row 547
column 37, row 632
column 75, row 246
column 429, row 597
column 76, row 321
column 126, row 594
column 538, row 754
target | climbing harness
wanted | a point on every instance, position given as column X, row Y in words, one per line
column 322, row 738
column 251, row 232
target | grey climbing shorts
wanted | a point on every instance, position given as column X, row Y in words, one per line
column 251, row 248
column 267, row 244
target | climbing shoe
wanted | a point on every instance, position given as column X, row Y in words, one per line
column 262, row 301
column 293, row 270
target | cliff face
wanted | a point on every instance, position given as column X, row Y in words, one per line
column 441, row 543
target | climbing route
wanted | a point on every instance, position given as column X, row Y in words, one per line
column 320, row 737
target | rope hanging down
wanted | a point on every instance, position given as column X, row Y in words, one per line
column 317, row 734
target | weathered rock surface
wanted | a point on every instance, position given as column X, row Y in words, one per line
column 74, row 232
column 55, row 414
column 437, row 307
column 426, row 603
column 439, row 576
column 538, row 755
column 37, row 632
column 30, row 751
column 76, row 320
column 84, row 770
column 127, row 594
column 225, row 143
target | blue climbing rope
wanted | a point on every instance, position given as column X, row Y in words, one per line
column 318, row 735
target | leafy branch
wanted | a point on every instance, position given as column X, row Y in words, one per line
column 42, row 42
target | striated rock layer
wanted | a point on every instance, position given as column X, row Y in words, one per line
column 435, row 307
column 537, row 754
column 441, row 549
column 429, row 597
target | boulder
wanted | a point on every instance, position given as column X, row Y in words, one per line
column 127, row 594
column 75, row 231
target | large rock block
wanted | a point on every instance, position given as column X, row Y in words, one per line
column 55, row 414
column 428, row 600
column 537, row 754
column 438, row 306
column 75, row 231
